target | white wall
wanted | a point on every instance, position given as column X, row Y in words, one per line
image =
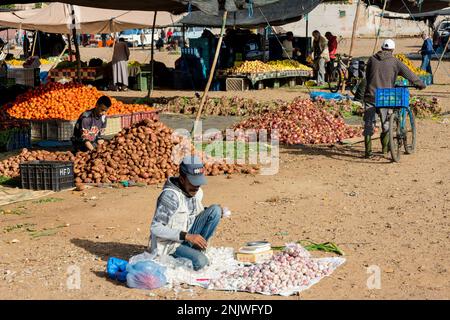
column 326, row 17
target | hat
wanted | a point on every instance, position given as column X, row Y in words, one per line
column 388, row 44
column 193, row 168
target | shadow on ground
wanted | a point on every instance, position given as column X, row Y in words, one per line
column 105, row 250
column 341, row 153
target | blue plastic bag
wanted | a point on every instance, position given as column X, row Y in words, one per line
column 116, row 269
column 326, row 95
column 146, row 275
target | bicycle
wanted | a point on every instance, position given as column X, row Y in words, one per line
column 339, row 74
column 402, row 128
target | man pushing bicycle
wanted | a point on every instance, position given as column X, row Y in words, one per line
column 382, row 72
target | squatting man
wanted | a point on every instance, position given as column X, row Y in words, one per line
column 182, row 226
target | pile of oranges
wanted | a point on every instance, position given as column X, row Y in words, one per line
column 64, row 102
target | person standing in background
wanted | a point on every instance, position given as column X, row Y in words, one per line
column 426, row 51
column 120, row 65
column 321, row 56
column 289, row 51
column 332, row 49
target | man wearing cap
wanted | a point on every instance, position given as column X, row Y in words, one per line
column 90, row 126
column 181, row 225
column 382, row 72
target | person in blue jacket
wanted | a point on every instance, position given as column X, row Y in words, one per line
column 426, row 51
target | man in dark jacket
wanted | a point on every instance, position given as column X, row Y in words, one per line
column 90, row 126
column 382, row 71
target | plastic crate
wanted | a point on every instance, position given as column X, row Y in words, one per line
column 392, row 97
column 126, row 120
column 113, row 125
column 59, row 130
column 14, row 139
column 143, row 81
column 236, row 84
column 139, row 116
column 25, row 76
column 47, row 175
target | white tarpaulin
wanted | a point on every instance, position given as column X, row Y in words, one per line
column 57, row 18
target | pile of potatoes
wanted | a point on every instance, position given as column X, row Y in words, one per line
column 147, row 152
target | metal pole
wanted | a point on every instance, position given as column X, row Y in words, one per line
column 69, row 46
column 34, row 43
column 307, row 34
column 152, row 52
column 355, row 24
column 211, row 74
column 379, row 28
column 442, row 55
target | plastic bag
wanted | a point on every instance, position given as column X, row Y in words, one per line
column 116, row 269
column 146, row 275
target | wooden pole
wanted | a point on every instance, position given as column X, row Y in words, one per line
column 211, row 73
column 77, row 47
column 34, row 43
column 69, row 46
column 355, row 25
column 379, row 28
column 152, row 52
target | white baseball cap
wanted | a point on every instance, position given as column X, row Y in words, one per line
column 388, row 44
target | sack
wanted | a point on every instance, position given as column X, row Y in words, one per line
column 146, row 274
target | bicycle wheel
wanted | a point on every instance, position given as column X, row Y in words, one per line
column 354, row 86
column 395, row 136
column 409, row 131
column 335, row 80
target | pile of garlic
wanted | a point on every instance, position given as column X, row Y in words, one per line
column 286, row 271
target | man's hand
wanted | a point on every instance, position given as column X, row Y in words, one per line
column 197, row 240
column 89, row 145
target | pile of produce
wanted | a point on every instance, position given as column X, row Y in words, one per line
column 134, row 63
column 272, row 66
column 17, row 63
column 282, row 65
column 284, row 272
column 423, row 107
column 65, row 102
column 223, row 106
column 10, row 167
column 344, row 108
column 142, row 153
column 410, row 65
column 301, row 122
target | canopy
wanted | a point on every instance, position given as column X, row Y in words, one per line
column 174, row 6
column 56, row 18
column 279, row 13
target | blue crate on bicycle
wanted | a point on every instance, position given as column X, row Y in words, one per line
column 392, row 97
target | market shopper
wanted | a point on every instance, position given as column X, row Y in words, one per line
column 181, row 225
column 426, row 51
column 289, row 51
column 332, row 49
column 120, row 65
column 321, row 56
column 90, row 126
column 382, row 72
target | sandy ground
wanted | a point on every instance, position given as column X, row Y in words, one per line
column 391, row 215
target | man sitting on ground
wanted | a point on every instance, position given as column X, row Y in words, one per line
column 181, row 226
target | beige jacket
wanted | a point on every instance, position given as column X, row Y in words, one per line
column 321, row 49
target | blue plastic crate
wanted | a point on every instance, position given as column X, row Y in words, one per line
column 392, row 97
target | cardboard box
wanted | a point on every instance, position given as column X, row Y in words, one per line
column 254, row 257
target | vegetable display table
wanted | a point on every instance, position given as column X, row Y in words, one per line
column 87, row 74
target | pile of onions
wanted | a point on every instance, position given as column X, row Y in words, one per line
column 289, row 270
column 301, row 122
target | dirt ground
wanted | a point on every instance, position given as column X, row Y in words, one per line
column 391, row 215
